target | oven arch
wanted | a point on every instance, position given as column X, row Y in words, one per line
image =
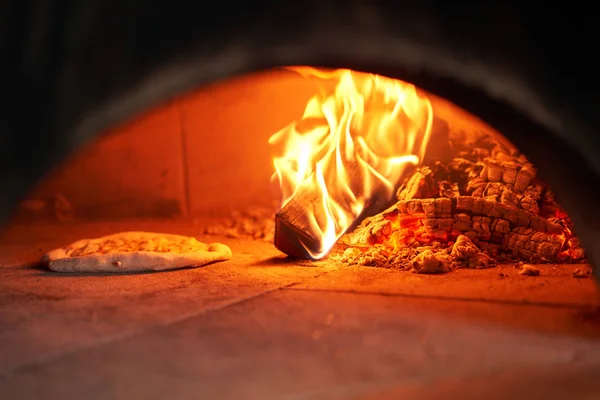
column 94, row 79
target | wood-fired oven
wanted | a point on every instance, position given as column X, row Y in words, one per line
column 408, row 192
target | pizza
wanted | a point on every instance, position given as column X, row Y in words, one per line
column 134, row 252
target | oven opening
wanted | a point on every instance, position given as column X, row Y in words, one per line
column 339, row 166
column 341, row 196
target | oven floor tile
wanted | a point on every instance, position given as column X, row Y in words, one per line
column 295, row 344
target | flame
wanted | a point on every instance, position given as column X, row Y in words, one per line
column 352, row 145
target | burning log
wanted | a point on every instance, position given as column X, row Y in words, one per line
column 306, row 227
column 294, row 232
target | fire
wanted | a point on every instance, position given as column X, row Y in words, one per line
column 352, row 145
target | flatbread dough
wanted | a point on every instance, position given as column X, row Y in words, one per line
column 135, row 252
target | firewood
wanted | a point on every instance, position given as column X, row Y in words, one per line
column 294, row 232
column 484, row 202
column 488, row 197
column 420, row 185
column 299, row 223
column 517, row 230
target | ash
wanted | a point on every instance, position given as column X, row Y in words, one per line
column 433, row 258
column 256, row 223
column 485, row 205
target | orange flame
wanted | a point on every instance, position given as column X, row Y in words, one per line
column 351, row 146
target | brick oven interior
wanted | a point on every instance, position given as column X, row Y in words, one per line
column 261, row 325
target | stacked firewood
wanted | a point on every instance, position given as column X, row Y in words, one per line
column 485, row 205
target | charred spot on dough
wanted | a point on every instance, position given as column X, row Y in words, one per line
column 117, row 263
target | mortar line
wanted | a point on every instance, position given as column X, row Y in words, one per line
column 60, row 354
column 447, row 298
column 184, row 159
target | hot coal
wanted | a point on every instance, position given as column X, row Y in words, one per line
column 485, row 205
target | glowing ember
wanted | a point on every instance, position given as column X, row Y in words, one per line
column 351, row 146
column 483, row 206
